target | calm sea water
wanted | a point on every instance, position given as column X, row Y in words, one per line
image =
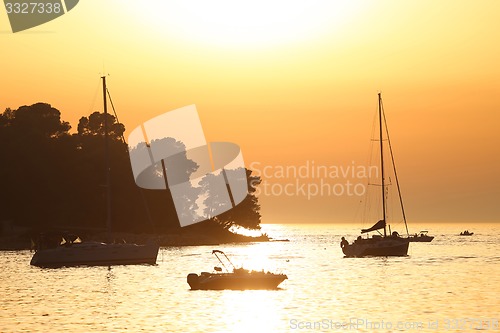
column 449, row 285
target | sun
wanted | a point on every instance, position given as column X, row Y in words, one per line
column 240, row 23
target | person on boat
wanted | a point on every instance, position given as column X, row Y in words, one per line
column 343, row 242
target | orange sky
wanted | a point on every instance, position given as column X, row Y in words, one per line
column 291, row 82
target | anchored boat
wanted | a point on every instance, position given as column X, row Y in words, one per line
column 421, row 237
column 236, row 278
column 76, row 253
column 386, row 243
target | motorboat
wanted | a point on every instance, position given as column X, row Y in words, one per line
column 421, row 237
column 234, row 278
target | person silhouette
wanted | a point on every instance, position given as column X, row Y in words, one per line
column 343, row 242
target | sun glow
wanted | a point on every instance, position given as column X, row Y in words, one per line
column 245, row 23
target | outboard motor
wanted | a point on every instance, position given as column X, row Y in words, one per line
column 192, row 280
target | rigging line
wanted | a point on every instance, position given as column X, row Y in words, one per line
column 368, row 198
column 114, row 112
column 141, row 191
column 394, row 167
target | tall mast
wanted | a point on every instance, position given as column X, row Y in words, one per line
column 382, row 159
column 106, row 158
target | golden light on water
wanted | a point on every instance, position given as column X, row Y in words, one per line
column 251, row 311
column 257, row 259
column 323, row 292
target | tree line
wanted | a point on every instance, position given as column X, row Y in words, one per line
column 50, row 178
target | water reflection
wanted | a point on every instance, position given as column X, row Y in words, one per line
column 252, row 311
column 321, row 285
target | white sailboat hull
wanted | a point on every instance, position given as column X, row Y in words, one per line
column 96, row 254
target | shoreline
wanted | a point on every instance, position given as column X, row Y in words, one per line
column 24, row 242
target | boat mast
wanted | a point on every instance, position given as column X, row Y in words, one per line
column 106, row 157
column 382, row 159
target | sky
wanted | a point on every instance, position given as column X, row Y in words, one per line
column 294, row 84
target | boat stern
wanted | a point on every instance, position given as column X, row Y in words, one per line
column 194, row 281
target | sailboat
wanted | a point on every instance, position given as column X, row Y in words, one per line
column 89, row 253
column 386, row 244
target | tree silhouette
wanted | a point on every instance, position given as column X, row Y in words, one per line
column 50, row 178
column 38, row 120
column 33, row 144
column 246, row 214
column 94, row 126
column 178, row 169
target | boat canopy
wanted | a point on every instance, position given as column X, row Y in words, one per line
column 379, row 225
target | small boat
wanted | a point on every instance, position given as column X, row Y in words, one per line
column 466, row 233
column 387, row 243
column 421, row 237
column 237, row 279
